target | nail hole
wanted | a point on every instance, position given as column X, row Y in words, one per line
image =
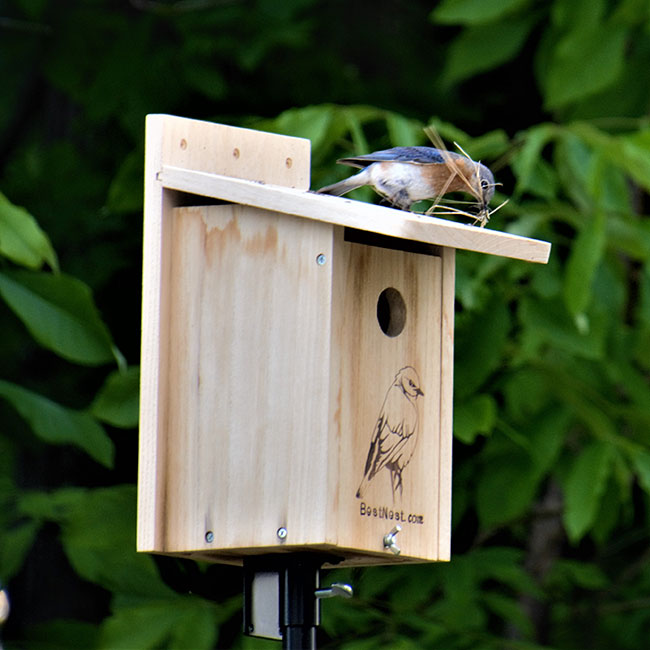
column 235, row 152
column 391, row 312
column 183, row 143
column 288, row 162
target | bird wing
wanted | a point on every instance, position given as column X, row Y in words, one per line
column 418, row 155
column 396, row 424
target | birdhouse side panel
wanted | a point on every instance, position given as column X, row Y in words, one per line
column 246, row 415
column 388, row 325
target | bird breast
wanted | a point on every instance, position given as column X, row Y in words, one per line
column 420, row 181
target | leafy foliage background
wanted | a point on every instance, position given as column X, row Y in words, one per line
column 552, row 399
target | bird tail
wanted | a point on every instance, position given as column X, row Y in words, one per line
column 344, row 186
column 362, row 487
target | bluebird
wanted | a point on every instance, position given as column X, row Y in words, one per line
column 405, row 175
column 395, row 433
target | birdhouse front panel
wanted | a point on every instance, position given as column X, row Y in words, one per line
column 392, row 325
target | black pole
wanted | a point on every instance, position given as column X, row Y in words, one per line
column 299, row 613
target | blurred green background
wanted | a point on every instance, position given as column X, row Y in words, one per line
column 552, row 398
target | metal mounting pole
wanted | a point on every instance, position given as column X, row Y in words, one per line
column 282, row 597
column 300, row 609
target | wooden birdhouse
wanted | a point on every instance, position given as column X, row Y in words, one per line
column 297, row 357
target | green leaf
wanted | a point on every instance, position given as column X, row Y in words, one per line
column 509, row 610
column 473, row 12
column 572, row 158
column 542, row 180
column 59, row 312
column 176, row 623
column 506, row 488
column 584, row 488
column 403, row 131
column 572, row 573
column 125, row 192
column 22, row 240
column 489, row 145
column 145, row 626
column 312, row 122
column 98, row 536
column 61, row 635
column 634, row 153
column 641, row 461
column 118, row 400
column 15, row 544
column 479, row 347
column 546, row 322
column 473, row 417
column 584, row 62
column 547, row 434
column 485, row 47
column 529, row 156
column 586, row 255
column 58, row 425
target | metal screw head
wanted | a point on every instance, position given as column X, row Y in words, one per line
column 321, row 258
column 282, row 533
column 209, row 537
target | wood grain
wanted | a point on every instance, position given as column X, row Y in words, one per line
column 246, row 416
column 270, row 362
column 202, row 146
column 369, row 361
column 356, row 214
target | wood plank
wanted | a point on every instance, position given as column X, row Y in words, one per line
column 158, row 204
column 232, row 151
column 367, row 396
column 205, row 146
column 355, row 214
column 448, row 302
column 248, row 348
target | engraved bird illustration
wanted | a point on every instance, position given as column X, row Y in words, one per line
column 395, row 433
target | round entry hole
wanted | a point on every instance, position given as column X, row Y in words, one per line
column 391, row 312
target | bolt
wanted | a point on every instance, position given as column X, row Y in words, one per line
column 321, row 259
column 209, row 537
column 282, row 533
column 389, row 540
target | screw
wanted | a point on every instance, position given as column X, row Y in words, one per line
column 282, row 533
column 209, row 537
column 321, row 259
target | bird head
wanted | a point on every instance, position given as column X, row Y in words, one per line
column 408, row 380
column 482, row 182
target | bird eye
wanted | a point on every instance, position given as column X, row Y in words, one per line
column 484, row 184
